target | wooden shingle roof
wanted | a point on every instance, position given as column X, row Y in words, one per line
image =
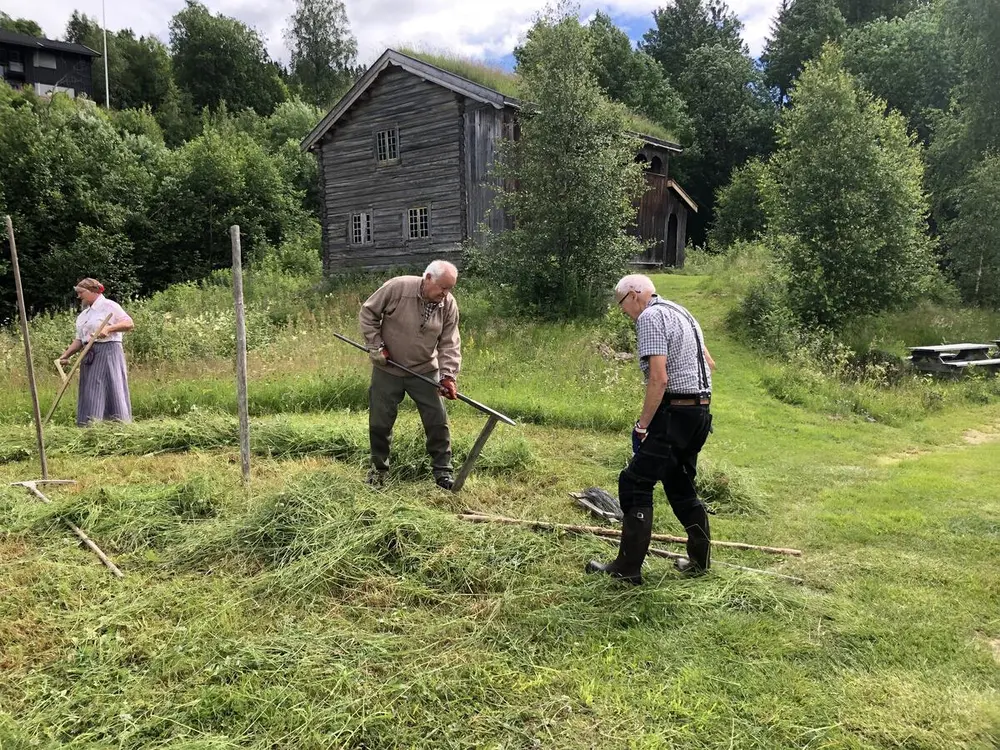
column 441, row 77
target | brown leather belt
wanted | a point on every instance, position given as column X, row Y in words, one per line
column 689, row 401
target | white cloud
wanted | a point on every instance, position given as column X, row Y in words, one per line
column 489, row 28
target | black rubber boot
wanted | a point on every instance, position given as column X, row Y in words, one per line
column 637, row 526
column 376, row 478
column 699, row 544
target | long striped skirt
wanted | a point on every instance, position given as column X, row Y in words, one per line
column 104, row 385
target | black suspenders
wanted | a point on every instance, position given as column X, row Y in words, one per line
column 702, row 373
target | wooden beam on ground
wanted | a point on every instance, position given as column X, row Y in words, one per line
column 31, row 486
column 616, row 533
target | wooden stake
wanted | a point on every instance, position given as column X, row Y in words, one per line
column 616, row 533
column 30, row 486
column 241, row 353
column 27, row 347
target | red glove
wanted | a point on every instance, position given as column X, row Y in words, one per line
column 449, row 389
column 379, row 357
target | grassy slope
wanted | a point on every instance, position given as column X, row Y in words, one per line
column 318, row 614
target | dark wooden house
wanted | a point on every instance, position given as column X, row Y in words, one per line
column 662, row 217
column 405, row 159
column 45, row 65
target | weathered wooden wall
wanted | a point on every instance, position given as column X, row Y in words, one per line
column 652, row 220
column 429, row 122
column 448, row 145
column 649, row 152
column 678, row 208
column 484, row 127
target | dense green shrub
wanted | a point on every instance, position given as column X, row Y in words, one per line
column 848, row 213
column 98, row 194
column 575, row 176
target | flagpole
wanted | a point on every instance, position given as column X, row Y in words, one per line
column 107, row 90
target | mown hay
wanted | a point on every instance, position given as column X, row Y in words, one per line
column 341, row 437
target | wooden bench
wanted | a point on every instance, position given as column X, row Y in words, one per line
column 960, row 369
column 966, row 351
column 943, row 358
column 990, row 363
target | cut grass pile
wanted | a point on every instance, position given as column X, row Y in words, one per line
column 339, row 436
column 324, row 614
column 332, row 598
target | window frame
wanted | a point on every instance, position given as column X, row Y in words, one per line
column 366, row 228
column 391, row 135
column 419, row 217
column 48, row 55
column 48, row 89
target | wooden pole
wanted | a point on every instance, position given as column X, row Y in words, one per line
column 241, row 353
column 27, row 347
column 470, row 460
column 616, row 533
column 76, row 529
column 76, row 364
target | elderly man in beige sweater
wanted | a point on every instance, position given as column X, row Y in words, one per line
column 413, row 320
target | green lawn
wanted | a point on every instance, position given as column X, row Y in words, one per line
column 313, row 612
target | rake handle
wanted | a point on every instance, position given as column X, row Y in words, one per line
column 30, row 486
column 615, row 533
column 76, row 364
column 677, row 556
column 471, row 402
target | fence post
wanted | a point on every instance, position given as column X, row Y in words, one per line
column 27, row 347
column 241, row 353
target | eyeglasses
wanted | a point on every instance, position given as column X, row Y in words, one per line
column 622, row 299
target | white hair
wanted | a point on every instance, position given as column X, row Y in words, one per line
column 634, row 282
column 439, row 268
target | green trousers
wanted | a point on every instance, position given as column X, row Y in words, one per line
column 384, row 396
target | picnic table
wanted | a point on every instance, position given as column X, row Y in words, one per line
column 953, row 358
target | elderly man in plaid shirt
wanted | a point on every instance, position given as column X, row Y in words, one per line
column 671, row 430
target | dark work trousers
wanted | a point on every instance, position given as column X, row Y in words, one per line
column 384, row 396
column 669, row 454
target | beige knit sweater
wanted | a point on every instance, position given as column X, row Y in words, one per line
column 393, row 317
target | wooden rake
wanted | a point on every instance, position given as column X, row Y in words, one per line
column 613, row 535
column 66, row 377
column 493, row 417
column 32, row 484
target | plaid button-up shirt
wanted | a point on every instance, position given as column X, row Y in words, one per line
column 668, row 329
column 429, row 308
